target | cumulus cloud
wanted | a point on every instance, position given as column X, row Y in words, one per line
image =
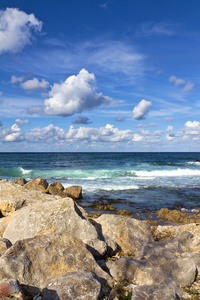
column 81, row 120
column 34, row 85
column 120, row 119
column 16, row 29
column 141, row 110
column 75, row 95
column 176, row 81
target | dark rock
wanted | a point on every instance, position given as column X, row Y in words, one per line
column 124, row 212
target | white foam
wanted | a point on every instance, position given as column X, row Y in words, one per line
column 168, row 173
column 24, row 172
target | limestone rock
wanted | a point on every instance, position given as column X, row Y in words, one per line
column 35, row 261
column 62, row 215
column 75, row 192
column 81, row 285
column 14, row 196
column 4, row 245
column 38, row 184
column 56, row 188
column 128, row 233
column 20, row 181
column 164, row 291
column 10, row 288
column 165, row 231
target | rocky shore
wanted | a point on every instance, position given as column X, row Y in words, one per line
column 51, row 248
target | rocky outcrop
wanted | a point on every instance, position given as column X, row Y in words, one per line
column 37, row 260
column 62, row 215
column 52, row 250
column 178, row 216
column 128, row 233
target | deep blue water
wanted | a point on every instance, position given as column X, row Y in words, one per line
column 148, row 180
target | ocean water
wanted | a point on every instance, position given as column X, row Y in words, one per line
column 142, row 181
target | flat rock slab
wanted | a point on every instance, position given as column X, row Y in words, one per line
column 62, row 215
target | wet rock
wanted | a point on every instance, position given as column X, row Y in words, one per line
column 37, row 260
column 82, row 285
column 124, row 212
column 20, row 181
column 75, row 192
column 62, row 215
column 106, row 207
column 10, row 288
column 128, row 233
column 38, row 184
column 178, row 216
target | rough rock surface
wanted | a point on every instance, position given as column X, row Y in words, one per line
column 75, row 192
column 4, row 245
column 38, row 184
column 62, row 215
column 128, row 233
column 20, row 181
column 37, row 260
column 178, row 216
column 14, row 196
column 82, row 285
column 56, row 188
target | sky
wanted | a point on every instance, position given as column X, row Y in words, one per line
column 99, row 75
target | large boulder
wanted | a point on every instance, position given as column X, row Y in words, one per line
column 37, row 260
column 62, row 215
column 14, row 197
column 80, row 285
column 56, row 188
column 38, row 184
column 128, row 233
column 75, row 192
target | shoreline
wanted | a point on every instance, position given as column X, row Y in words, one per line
column 44, row 227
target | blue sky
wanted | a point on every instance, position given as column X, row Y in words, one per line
column 99, row 75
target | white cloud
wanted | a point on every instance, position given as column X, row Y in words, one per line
column 81, row 120
column 20, row 123
column 141, row 110
column 34, row 85
column 188, row 87
column 16, row 79
column 75, row 95
column 35, row 110
column 146, row 125
column 176, row 81
column 48, row 134
column 170, row 128
column 16, row 29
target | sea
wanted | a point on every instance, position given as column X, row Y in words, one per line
column 138, row 181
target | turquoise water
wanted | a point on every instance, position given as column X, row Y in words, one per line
column 148, row 180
